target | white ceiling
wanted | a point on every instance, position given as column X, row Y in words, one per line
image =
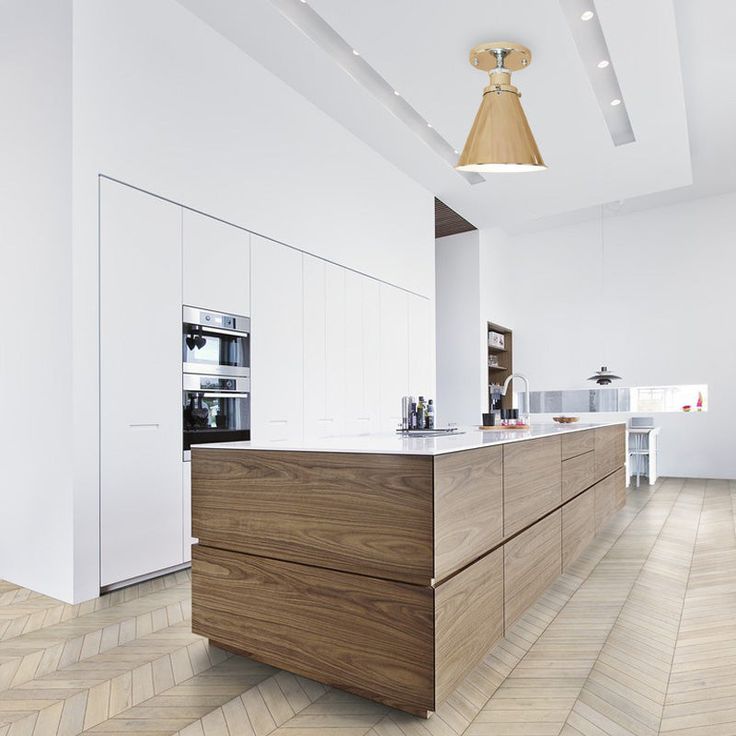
column 421, row 49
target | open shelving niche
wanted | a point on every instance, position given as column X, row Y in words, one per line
column 498, row 374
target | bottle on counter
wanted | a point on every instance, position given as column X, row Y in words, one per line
column 430, row 415
column 421, row 412
column 413, row 416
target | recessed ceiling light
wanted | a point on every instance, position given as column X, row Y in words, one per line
column 356, row 53
column 456, row 151
column 615, row 102
column 603, row 64
column 398, row 94
column 429, row 125
column 587, row 15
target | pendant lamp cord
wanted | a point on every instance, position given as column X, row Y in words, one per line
column 603, row 288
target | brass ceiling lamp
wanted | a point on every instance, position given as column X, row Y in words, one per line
column 500, row 139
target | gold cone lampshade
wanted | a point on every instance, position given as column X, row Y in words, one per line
column 500, row 139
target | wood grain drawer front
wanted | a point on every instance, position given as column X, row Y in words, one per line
column 610, row 494
column 531, row 562
column 610, row 449
column 578, row 526
column 468, row 507
column 532, row 481
column 578, row 473
column 468, row 620
column 576, row 443
column 372, row 637
column 370, row 514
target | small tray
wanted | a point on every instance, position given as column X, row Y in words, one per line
column 501, row 427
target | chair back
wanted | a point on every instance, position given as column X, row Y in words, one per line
column 641, row 422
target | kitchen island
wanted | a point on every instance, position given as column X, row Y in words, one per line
column 388, row 566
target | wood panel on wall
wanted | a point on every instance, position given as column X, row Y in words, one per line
column 578, row 473
column 369, row 514
column 532, row 481
column 371, row 637
column 532, row 560
column 610, row 449
column 468, row 509
column 468, row 619
column 578, row 526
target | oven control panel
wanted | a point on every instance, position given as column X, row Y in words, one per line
column 215, row 319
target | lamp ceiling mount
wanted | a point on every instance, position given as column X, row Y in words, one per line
column 513, row 55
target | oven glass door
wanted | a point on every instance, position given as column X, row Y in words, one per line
column 204, row 351
column 215, row 416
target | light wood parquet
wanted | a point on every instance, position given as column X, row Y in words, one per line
column 636, row 638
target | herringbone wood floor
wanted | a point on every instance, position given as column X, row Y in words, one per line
column 637, row 638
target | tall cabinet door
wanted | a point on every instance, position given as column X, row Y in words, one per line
column 324, row 348
column 394, row 354
column 140, row 384
column 362, row 346
column 277, row 342
column 421, row 346
column 216, row 264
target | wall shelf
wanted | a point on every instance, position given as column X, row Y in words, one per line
column 497, row 374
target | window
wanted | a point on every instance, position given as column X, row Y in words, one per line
column 691, row 397
column 670, row 398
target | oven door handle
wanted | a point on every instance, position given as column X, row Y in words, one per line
column 209, row 329
column 222, row 394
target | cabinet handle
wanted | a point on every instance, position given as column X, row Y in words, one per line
column 144, row 426
column 278, row 421
column 362, row 419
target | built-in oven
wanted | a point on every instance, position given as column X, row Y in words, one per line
column 215, row 342
column 215, row 409
column 216, row 377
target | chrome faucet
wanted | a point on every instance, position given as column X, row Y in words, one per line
column 505, row 388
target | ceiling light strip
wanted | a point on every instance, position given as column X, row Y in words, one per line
column 314, row 27
column 587, row 32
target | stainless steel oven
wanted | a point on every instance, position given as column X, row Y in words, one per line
column 215, row 343
column 216, row 377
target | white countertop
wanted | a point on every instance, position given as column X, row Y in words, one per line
column 396, row 444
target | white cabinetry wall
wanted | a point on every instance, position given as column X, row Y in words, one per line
column 216, row 264
column 140, row 383
column 332, row 352
column 277, row 342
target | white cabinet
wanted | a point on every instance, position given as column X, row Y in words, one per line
column 324, row 348
column 277, row 342
column 140, row 384
column 362, row 347
column 216, row 261
column 394, row 354
column 421, row 347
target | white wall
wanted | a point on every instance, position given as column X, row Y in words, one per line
column 162, row 102
column 35, row 298
column 666, row 317
column 460, row 376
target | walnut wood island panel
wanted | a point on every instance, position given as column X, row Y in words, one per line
column 388, row 566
